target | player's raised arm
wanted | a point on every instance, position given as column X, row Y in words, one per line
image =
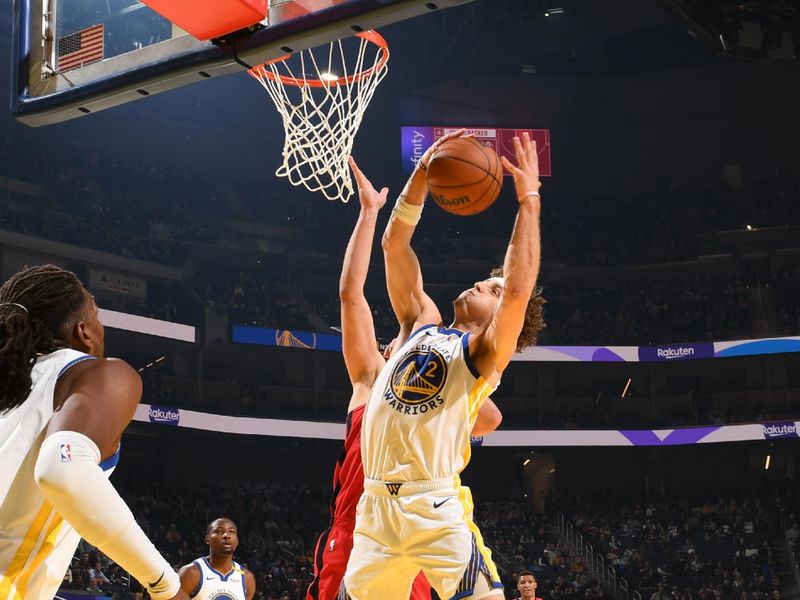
column 497, row 345
column 361, row 356
column 411, row 305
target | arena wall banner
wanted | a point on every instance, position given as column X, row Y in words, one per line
column 286, row 338
column 416, row 139
column 146, row 325
column 667, row 352
column 124, row 285
column 750, row 432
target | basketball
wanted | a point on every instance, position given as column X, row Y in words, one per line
column 464, row 176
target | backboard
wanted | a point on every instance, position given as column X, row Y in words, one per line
column 76, row 57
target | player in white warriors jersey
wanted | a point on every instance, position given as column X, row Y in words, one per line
column 414, row 514
column 63, row 408
column 217, row 576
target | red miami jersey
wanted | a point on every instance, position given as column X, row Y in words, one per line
column 348, row 476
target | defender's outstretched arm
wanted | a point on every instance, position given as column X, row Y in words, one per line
column 361, row 355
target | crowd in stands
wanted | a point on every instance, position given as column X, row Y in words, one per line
column 255, row 299
column 278, row 528
column 155, row 212
column 671, row 549
column 151, row 200
column 696, row 548
column 92, row 571
column 789, row 507
column 785, row 288
column 136, row 208
column 523, row 540
column 655, row 311
column 577, row 312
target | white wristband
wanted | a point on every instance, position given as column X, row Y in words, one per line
column 406, row 212
column 529, row 194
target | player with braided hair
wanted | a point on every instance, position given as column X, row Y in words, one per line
column 63, row 407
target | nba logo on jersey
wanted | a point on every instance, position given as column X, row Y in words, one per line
column 66, row 453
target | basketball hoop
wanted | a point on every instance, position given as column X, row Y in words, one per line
column 322, row 102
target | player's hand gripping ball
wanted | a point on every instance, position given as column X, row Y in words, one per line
column 464, row 176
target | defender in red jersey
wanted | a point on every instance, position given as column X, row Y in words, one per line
column 364, row 362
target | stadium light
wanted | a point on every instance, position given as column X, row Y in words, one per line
column 766, row 464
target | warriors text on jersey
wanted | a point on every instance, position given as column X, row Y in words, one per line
column 422, row 409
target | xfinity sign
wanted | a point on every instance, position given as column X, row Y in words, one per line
column 164, row 416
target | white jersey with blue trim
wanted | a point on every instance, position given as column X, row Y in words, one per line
column 422, row 408
column 214, row 585
column 36, row 544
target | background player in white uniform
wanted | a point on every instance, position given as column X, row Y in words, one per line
column 63, row 408
column 217, row 576
column 414, row 514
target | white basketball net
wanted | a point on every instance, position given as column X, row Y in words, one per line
column 322, row 102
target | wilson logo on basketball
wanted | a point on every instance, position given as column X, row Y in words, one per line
column 444, row 201
column 416, row 382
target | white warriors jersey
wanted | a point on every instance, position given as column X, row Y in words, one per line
column 422, row 408
column 36, row 544
column 214, row 585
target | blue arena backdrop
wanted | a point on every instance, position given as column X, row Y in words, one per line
column 82, row 596
column 667, row 352
column 682, row 436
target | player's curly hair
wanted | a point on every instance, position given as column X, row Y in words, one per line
column 534, row 316
column 51, row 297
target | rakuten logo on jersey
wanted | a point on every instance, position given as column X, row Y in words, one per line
column 164, row 416
column 775, row 431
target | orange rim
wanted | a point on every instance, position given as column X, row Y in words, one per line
column 261, row 71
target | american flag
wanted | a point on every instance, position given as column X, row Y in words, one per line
column 80, row 48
